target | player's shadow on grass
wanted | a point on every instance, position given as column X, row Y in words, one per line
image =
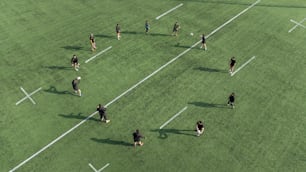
column 59, row 67
column 143, row 33
column 77, row 116
column 206, row 69
column 105, row 36
column 72, row 47
column 163, row 133
column 53, row 90
column 112, row 142
column 185, row 46
column 208, row 105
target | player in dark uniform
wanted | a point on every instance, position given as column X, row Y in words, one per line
column 75, row 86
column 232, row 64
column 118, row 31
column 75, row 62
column 147, row 26
column 231, row 100
column 203, row 42
column 102, row 112
column 176, row 28
column 92, row 42
column 137, row 136
column 199, row 128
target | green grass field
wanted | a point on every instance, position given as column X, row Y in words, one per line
column 265, row 132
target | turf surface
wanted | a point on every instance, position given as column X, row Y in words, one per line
column 265, row 132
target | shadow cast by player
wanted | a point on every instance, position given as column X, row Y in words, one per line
column 105, row 36
column 77, row 116
column 208, row 105
column 112, row 142
column 248, row 4
column 72, row 47
column 58, row 67
column 183, row 46
column 132, row 32
column 206, row 69
column 163, row 133
column 158, row 34
column 53, row 90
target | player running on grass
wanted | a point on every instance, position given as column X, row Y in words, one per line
column 137, row 136
column 147, row 26
column 176, row 28
column 92, row 42
column 231, row 100
column 203, row 42
column 75, row 62
column 232, row 64
column 102, row 112
column 199, row 128
column 118, row 31
column 75, row 86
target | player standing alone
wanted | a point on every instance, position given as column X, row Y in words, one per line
column 102, row 112
column 75, row 86
column 75, row 62
column 232, row 64
column 231, row 100
column 92, row 42
column 118, row 31
column 176, row 28
column 137, row 136
column 147, row 26
column 199, row 128
column 203, row 42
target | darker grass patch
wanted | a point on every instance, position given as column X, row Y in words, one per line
column 206, row 69
column 73, row 47
column 58, row 67
column 77, row 116
column 112, row 142
column 163, row 133
column 53, row 90
column 208, row 105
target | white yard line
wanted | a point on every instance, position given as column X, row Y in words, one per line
column 103, row 167
column 172, row 118
column 27, row 95
column 92, row 167
column 252, row 58
column 91, row 58
column 130, row 89
column 297, row 24
column 169, row 11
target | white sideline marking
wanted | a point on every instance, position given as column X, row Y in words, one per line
column 92, row 167
column 169, row 11
column 172, row 118
column 252, row 58
column 91, row 58
column 156, row 71
column 28, row 96
column 297, row 24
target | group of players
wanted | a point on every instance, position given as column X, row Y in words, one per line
column 199, row 127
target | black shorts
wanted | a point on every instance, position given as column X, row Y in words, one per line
column 75, row 88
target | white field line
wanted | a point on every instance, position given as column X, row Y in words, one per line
column 294, row 27
column 92, row 167
column 252, row 58
column 28, row 96
column 297, row 23
column 172, row 118
column 169, row 11
column 103, row 167
column 91, row 58
column 130, row 89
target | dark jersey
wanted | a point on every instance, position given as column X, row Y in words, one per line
column 147, row 26
column 117, row 28
column 203, row 39
column 74, row 60
column 175, row 27
column 233, row 61
column 92, row 39
column 101, row 110
column 75, row 84
column 200, row 126
column 137, row 137
column 231, row 98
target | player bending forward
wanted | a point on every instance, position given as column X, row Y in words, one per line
column 199, row 128
column 137, row 138
column 102, row 112
column 75, row 86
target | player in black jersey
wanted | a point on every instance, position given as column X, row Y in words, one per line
column 92, row 42
column 102, row 112
column 75, row 62
column 231, row 100
column 176, row 28
column 137, row 138
column 203, row 42
column 75, row 86
column 118, row 31
column 199, row 128
column 147, row 26
column 232, row 64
